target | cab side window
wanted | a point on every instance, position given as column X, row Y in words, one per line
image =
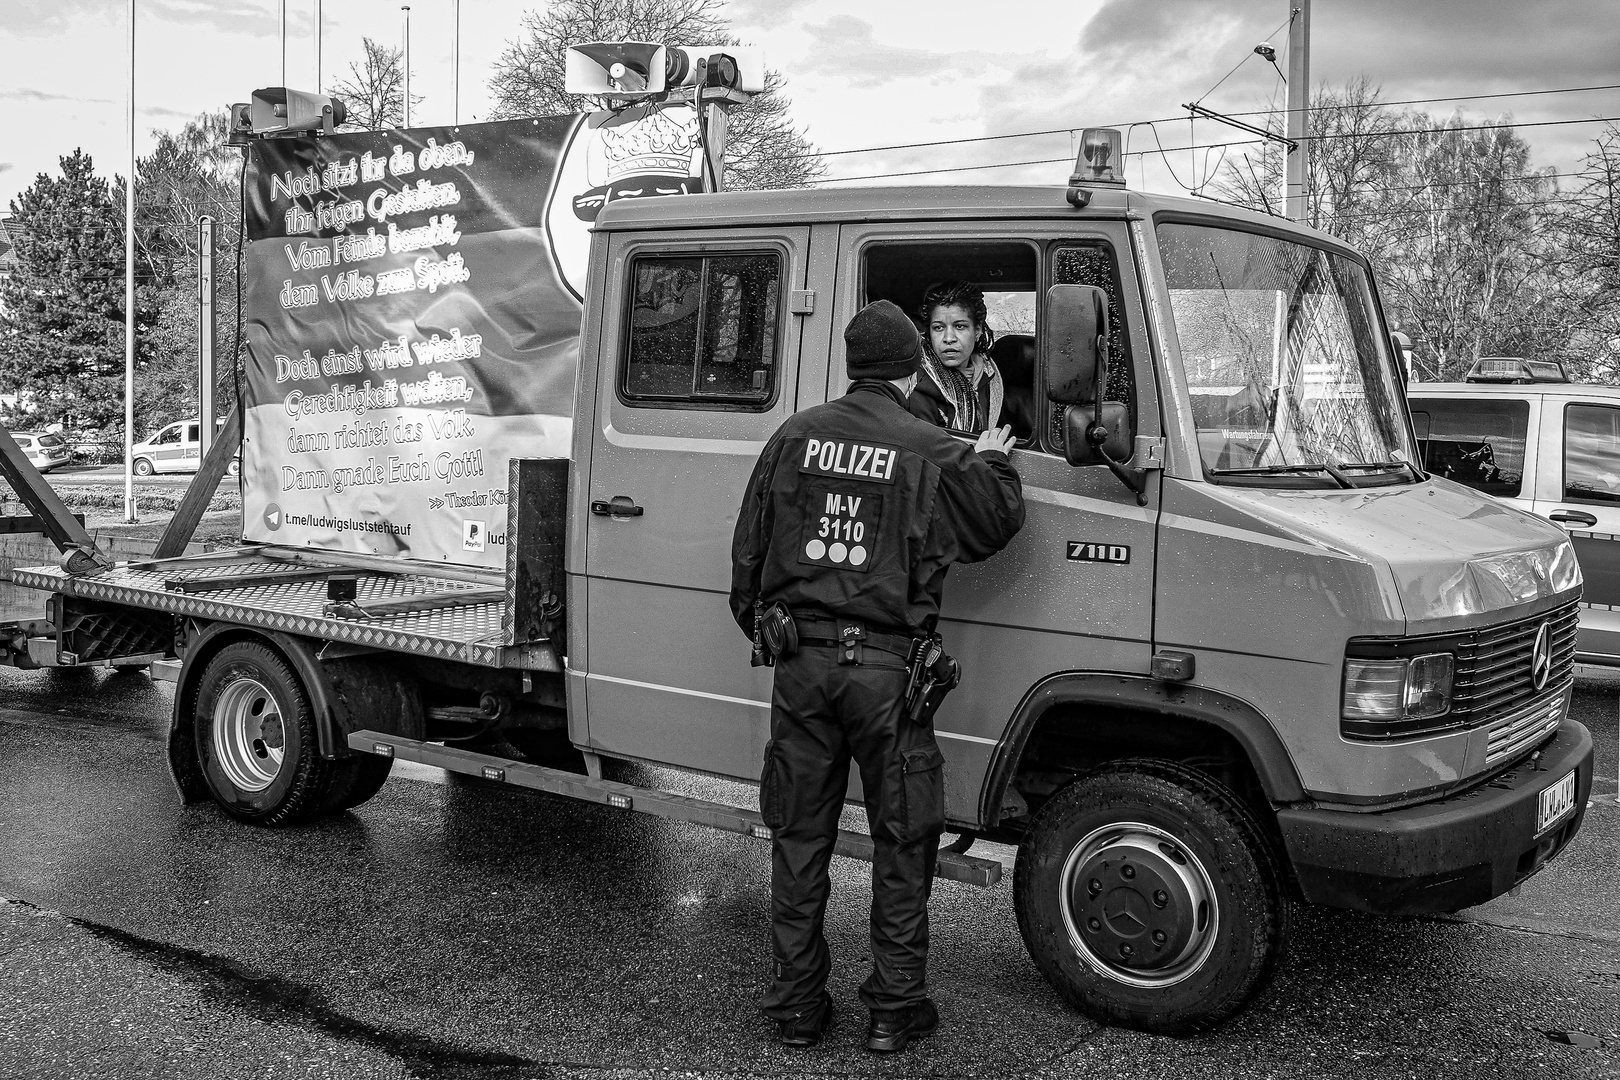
column 1474, row 442
column 168, row 435
column 704, row 331
column 1007, row 272
column 1591, row 454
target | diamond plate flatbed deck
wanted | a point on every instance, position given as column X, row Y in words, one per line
column 470, row 633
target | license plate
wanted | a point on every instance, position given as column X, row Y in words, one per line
column 1556, row 802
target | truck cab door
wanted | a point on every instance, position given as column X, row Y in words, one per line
column 699, row 365
column 1074, row 589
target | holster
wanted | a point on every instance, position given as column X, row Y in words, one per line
column 927, row 693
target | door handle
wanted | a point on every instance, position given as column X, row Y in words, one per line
column 1573, row 517
column 620, row 506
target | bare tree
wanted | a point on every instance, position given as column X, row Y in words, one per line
column 374, row 92
column 1457, row 223
column 1588, row 228
column 1352, row 161
column 763, row 148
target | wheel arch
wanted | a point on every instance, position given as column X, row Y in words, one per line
column 1194, row 712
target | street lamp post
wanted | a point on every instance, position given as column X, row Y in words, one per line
column 129, row 290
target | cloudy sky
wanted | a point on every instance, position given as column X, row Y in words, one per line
column 862, row 73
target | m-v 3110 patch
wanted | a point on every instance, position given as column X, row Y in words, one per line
column 1082, row 551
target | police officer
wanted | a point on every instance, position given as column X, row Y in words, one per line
column 853, row 514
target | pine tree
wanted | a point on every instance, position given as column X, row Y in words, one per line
column 62, row 309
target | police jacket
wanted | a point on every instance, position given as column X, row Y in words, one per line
column 857, row 508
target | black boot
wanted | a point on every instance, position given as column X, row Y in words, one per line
column 892, row 1029
column 804, row 1028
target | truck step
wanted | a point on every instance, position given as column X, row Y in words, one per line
column 665, row 804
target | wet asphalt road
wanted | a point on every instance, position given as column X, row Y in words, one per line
column 449, row 930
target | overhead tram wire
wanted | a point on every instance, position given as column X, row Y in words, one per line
column 1243, row 61
column 1170, row 119
column 1219, row 145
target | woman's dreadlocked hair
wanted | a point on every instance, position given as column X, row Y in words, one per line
column 962, row 294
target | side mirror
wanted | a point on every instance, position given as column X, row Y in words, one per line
column 1076, row 344
column 1101, row 441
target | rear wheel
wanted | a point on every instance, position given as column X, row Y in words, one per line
column 1148, row 897
column 257, row 746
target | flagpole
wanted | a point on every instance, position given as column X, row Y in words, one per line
column 405, row 37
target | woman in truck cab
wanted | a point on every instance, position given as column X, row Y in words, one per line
column 959, row 387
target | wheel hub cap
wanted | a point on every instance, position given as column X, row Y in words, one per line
column 1139, row 906
column 249, row 737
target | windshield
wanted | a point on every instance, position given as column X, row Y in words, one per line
column 1289, row 377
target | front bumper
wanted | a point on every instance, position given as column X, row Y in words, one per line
column 1444, row 855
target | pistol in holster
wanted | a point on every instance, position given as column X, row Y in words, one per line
column 775, row 634
column 932, row 675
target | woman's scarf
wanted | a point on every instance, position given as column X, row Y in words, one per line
column 959, row 392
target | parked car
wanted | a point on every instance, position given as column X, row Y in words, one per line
column 175, row 448
column 1552, row 449
column 45, row 450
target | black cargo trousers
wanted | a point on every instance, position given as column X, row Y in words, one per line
column 822, row 714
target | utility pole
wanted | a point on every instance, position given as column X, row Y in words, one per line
column 205, row 330
column 405, row 36
column 455, row 62
column 283, row 39
column 1299, row 99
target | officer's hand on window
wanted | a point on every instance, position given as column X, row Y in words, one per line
column 1000, row 438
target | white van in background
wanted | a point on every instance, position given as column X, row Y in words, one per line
column 176, row 448
column 1551, row 448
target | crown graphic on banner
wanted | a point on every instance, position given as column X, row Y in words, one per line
column 656, row 143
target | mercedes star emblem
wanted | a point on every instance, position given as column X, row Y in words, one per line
column 1541, row 657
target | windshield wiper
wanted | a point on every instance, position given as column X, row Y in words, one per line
column 1417, row 477
column 1272, row 470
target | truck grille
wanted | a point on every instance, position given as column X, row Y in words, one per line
column 1525, row 728
column 1493, row 681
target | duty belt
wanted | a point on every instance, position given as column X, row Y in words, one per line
column 850, row 636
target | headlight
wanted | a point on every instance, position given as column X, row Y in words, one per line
column 1565, row 572
column 1385, row 697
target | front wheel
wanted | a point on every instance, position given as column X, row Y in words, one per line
column 1149, row 898
column 143, row 467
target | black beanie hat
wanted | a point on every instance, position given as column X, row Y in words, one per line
column 881, row 342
